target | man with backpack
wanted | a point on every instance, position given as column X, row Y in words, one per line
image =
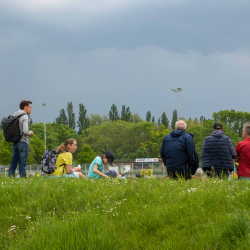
column 21, row 147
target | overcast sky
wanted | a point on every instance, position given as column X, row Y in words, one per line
column 99, row 52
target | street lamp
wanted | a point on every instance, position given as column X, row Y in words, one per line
column 177, row 91
column 121, row 159
column 44, row 105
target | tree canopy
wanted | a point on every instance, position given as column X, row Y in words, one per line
column 83, row 121
column 113, row 113
column 148, row 116
column 234, row 119
column 125, row 113
column 164, row 120
column 62, row 118
column 174, row 119
column 71, row 116
column 129, row 138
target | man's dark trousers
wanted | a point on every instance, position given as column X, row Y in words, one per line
column 19, row 155
column 186, row 174
column 214, row 172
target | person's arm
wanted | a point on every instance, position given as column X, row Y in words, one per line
column 190, row 149
column 25, row 123
column 67, row 158
column 232, row 150
column 96, row 171
column 77, row 169
column 117, row 174
column 238, row 148
column 69, row 169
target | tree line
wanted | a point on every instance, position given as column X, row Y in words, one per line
column 68, row 117
column 126, row 134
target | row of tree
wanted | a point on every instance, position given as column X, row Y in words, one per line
column 127, row 139
column 84, row 121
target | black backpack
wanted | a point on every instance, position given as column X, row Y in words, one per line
column 11, row 128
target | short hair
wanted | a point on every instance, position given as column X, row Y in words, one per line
column 24, row 103
column 247, row 128
column 218, row 125
column 181, row 126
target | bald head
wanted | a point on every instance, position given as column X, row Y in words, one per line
column 180, row 125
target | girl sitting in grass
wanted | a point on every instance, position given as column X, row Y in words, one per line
column 97, row 164
column 63, row 166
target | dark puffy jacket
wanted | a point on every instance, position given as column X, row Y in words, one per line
column 177, row 150
column 216, row 151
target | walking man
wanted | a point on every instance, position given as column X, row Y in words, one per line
column 243, row 154
column 177, row 152
column 21, row 148
column 217, row 153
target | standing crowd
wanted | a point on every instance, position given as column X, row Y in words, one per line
column 177, row 151
column 218, row 154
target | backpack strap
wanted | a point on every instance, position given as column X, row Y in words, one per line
column 61, row 153
column 21, row 115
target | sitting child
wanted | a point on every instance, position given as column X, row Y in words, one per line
column 97, row 164
column 63, row 166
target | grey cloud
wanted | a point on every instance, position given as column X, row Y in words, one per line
column 132, row 57
column 141, row 79
column 206, row 26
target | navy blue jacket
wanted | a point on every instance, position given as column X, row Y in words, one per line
column 218, row 151
column 177, row 151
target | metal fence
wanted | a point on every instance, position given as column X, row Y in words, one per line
column 135, row 168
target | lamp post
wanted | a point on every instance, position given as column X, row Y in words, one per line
column 177, row 91
column 121, row 159
column 44, row 105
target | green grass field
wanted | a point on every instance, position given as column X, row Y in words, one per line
column 60, row 213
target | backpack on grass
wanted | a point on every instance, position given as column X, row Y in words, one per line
column 48, row 161
column 11, row 128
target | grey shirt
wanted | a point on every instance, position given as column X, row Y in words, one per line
column 24, row 126
column 230, row 145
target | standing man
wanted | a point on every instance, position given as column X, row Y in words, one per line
column 217, row 153
column 243, row 153
column 21, row 148
column 177, row 152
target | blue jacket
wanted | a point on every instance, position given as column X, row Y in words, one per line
column 218, row 151
column 177, row 151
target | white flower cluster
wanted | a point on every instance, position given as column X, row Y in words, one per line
column 191, row 190
column 13, row 230
column 28, row 217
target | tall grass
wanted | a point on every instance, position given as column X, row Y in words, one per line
column 63, row 213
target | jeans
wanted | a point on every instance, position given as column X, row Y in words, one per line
column 111, row 173
column 19, row 155
column 73, row 175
